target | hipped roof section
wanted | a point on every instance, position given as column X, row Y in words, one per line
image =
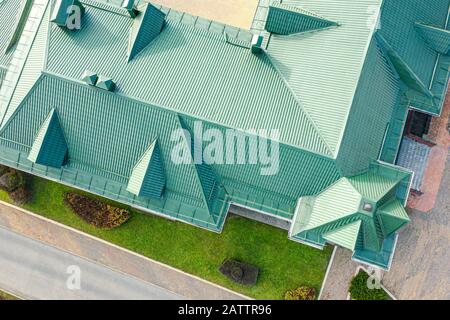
column 192, row 68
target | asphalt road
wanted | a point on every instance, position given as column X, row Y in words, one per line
column 34, row 270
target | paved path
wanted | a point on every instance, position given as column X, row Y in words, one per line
column 107, row 254
column 421, row 267
column 341, row 272
column 34, row 270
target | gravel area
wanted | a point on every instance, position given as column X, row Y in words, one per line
column 421, row 268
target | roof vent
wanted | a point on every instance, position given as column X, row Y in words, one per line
column 89, row 77
column 130, row 6
column 106, row 83
column 68, row 13
column 368, row 207
column 257, row 41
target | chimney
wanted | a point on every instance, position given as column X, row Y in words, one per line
column 257, row 41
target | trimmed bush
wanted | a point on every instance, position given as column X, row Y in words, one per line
column 12, row 180
column 301, row 293
column 20, row 196
column 360, row 291
column 240, row 272
column 95, row 212
column 3, row 170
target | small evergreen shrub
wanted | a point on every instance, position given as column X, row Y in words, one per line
column 240, row 272
column 20, row 196
column 12, row 180
column 360, row 291
column 301, row 293
column 3, row 170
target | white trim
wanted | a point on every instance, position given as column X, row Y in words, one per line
column 327, row 272
column 410, row 107
column 309, row 244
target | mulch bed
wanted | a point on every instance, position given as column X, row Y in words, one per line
column 95, row 212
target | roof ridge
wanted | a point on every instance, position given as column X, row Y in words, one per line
column 308, row 116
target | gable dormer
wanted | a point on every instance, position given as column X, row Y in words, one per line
column 49, row 146
column 147, row 25
column 286, row 20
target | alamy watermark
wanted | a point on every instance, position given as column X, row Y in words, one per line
column 73, row 281
column 228, row 146
column 73, row 21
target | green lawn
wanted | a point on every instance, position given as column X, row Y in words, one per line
column 283, row 263
column 6, row 296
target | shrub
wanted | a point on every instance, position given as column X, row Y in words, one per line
column 360, row 291
column 301, row 293
column 20, row 196
column 12, row 180
column 3, row 170
column 95, row 212
column 239, row 272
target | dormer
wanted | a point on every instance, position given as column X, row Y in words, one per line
column 68, row 14
column 147, row 25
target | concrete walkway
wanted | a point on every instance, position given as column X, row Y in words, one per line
column 106, row 254
column 421, row 267
column 33, row 270
column 341, row 272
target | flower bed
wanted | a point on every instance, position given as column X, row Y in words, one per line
column 95, row 212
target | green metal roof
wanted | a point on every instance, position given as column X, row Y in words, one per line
column 323, row 68
column 8, row 9
column 49, row 147
column 437, row 38
column 345, row 236
column 358, row 213
column 187, row 69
